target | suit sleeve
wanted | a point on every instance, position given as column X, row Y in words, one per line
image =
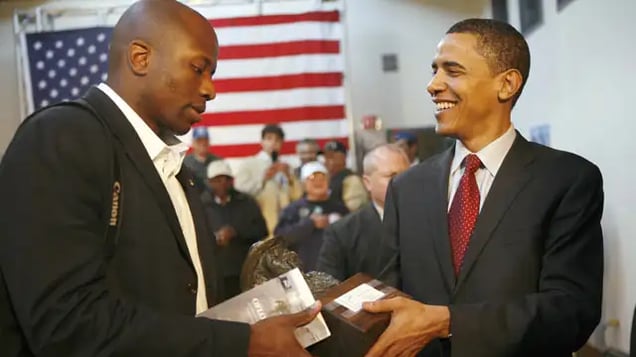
column 52, row 251
column 389, row 257
column 331, row 259
column 559, row 318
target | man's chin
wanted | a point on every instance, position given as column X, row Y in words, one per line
column 444, row 130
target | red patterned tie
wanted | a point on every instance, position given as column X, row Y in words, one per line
column 464, row 211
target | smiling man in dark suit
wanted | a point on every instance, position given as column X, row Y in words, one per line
column 498, row 240
column 65, row 289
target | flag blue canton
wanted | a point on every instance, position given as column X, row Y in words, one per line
column 64, row 64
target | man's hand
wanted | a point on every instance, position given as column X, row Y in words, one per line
column 284, row 168
column 270, row 172
column 413, row 325
column 224, row 235
column 275, row 336
column 320, row 220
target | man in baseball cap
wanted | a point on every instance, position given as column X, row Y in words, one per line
column 236, row 220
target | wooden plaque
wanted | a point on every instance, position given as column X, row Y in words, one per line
column 352, row 333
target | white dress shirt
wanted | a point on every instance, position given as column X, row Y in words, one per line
column 167, row 160
column 491, row 156
column 379, row 209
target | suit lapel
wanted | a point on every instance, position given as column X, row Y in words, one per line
column 510, row 179
column 370, row 228
column 439, row 217
column 203, row 234
column 136, row 152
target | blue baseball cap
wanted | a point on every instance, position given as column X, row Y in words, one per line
column 410, row 138
column 199, row 132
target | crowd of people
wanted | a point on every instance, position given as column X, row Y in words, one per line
column 266, row 197
column 109, row 246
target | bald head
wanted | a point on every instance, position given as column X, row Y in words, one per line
column 380, row 165
column 158, row 23
column 161, row 61
column 380, row 156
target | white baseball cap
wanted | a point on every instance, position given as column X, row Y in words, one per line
column 218, row 168
column 311, row 168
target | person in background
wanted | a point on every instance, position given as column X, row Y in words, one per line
column 307, row 151
column 344, row 184
column 236, row 221
column 200, row 157
column 99, row 261
column 268, row 179
column 302, row 222
column 409, row 143
column 352, row 245
column 498, row 240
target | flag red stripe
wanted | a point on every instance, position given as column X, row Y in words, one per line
column 280, row 49
column 316, row 16
column 243, row 150
column 273, row 115
column 289, row 81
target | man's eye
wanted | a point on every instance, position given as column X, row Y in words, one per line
column 197, row 70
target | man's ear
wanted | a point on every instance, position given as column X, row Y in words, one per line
column 139, row 57
column 367, row 182
column 510, row 84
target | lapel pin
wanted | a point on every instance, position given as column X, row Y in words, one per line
column 190, row 182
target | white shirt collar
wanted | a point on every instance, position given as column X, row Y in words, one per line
column 154, row 145
column 219, row 202
column 379, row 209
column 491, row 156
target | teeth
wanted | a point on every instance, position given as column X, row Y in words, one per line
column 444, row 105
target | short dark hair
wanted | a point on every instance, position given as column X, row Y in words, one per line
column 501, row 44
column 272, row 129
column 308, row 141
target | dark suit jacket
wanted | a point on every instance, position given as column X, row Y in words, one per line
column 531, row 281
column 352, row 245
column 244, row 215
column 59, row 295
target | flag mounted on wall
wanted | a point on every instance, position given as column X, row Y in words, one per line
column 285, row 69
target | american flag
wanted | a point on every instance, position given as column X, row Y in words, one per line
column 64, row 64
column 285, row 69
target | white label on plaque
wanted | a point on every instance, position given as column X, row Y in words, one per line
column 354, row 298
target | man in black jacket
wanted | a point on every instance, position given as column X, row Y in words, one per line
column 352, row 245
column 66, row 287
column 236, row 220
column 344, row 184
